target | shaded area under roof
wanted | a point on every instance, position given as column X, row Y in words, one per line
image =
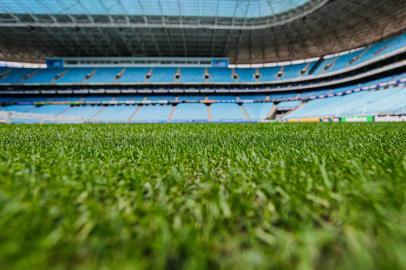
column 186, row 8
column 305, row 32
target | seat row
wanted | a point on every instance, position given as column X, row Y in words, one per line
column 197, row 75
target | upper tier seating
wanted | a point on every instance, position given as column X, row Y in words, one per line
column 134, row 75
column 43, row 76
column 221, row 75
column 384, row 47
column 368, row 53
column 339, row 62
column 269, row 74
column 16, row 75
column 163, row 75
column 192, row 75
column 295, row 71
column 247, row 75
column 104, row 75
column 197, row 75
column 74, row 75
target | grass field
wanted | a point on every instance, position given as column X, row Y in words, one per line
column 266, row 196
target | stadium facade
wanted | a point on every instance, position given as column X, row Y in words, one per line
column 202, row 61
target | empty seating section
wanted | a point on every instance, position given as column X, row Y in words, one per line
column 115, row 114
column 384, row 46
column 104, row 75
column 50, row 109
column 258, row 111
column 16, row 75
column 389, row 101
column 192, row 75
column 74, row 75
column 269, row 74
column 17, row 108
column 44, row 76
column 190, row 112
column 288, row 104
column 163, row 75
column 156, row 113
column 220, row 75
column 196, row 74
column 295, row 71
column 86, row 112
column 134, row 75
column 27, row 121
column 340, row 62
column 227, row 112
column 246, row 74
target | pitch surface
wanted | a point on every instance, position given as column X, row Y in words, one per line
column 203, row 196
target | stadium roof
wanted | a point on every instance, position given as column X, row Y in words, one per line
column 185, row 8
column 246, row 31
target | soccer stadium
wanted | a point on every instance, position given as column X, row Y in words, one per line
column 202, row 134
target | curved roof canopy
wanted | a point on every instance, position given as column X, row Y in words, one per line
column 246, row 31
column 209, row 14
column 184, row 8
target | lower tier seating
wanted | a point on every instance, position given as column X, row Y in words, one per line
column 380, row 97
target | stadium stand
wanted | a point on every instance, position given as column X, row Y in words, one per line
column 385, row 96
column 74, row 75
column 390, row 101
column 168, row 75
column 134, row 75
column 227, row 112
column 212, row 104
column 190, row 113
column 157, row 113
column 143, row 166
column 258, row 111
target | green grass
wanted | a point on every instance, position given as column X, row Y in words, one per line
column 266, row 196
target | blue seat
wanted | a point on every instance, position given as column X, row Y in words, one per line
column 192, row 75
column 134, row 75
column 153, row 113
column 163, row 75
column 44, row 76
column 227, row 112
column 258, row 111
column 191, row 112
column 115, row 114
column 74, row 75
